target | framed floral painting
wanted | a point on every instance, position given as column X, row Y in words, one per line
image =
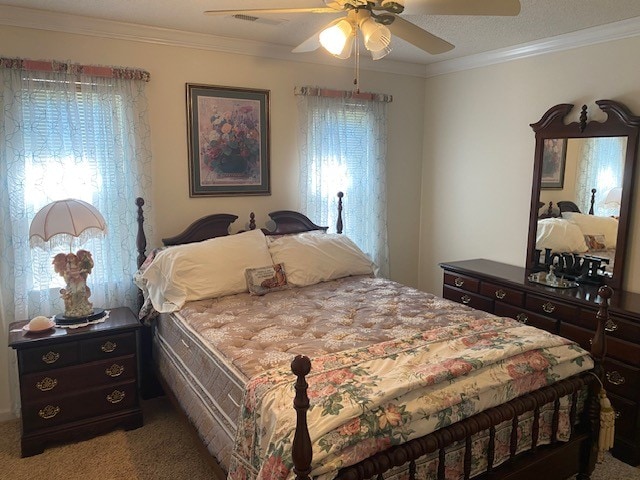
column 554, row 158
column 228, row 130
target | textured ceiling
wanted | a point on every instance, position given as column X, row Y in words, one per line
column 539, row 19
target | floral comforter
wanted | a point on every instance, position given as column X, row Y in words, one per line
column 369, row 398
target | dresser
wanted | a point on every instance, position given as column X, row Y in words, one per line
column 505, row 291
column 76, row 383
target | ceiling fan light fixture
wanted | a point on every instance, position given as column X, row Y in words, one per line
column 383, row 52
column 375, row 35
column 335, row 38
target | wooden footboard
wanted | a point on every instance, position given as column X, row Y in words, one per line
column 559, row 460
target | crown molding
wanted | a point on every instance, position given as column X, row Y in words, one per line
column 96, row 27
column 582, row 38
column 80, row 25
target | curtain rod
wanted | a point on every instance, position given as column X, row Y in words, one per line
column 74, row 68
column 326, row 92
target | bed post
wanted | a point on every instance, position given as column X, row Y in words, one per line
column 301, row 452
column 141, row 242
column 339, row 222
column 598, row 352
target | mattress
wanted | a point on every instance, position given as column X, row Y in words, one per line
column 211, row 350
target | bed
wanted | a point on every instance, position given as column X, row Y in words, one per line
column 531, row 423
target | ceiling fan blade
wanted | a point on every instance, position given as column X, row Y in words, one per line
column 268, row 11
column 419, row 37
column 313, row 42
column 462, row 7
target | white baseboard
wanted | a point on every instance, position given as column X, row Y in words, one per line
column 6, row 415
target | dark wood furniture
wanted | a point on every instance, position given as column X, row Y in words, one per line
column 558, row 461
column 76, row 383
column 620, row 122
column 504, row 290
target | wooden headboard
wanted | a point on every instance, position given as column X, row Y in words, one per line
column 218, row 225
column 565, row 206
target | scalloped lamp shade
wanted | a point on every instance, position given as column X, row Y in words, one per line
column 66, row 219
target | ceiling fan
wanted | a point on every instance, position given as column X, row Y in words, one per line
column 376, row 20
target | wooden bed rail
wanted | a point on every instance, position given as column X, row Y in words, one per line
column 586, row 437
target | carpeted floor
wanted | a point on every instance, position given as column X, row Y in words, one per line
column 164, row 449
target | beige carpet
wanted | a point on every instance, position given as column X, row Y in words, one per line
column 163, row 449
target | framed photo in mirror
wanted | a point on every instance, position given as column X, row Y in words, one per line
column 553, row 162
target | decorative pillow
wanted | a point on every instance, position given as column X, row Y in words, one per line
column 595, row 243
column 595, row 225
column 266, row 279
column 318, row 257
column 209, row 269
column 560, row 236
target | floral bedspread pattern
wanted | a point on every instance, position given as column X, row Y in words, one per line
column 366, row 399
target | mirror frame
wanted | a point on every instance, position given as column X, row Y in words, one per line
column 620, row 122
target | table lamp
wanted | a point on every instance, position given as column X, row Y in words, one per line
column 61, row 223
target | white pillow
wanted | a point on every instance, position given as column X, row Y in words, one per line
column 209, row 269
column 311, row 258
column 560, row 236
column 595, row 225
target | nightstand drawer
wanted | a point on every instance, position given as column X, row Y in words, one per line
column 63, row 381
column 107, row 346
column 47, row 358
column 92, row 403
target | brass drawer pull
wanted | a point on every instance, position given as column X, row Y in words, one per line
column 116, row 396
column 500, row 294
column 466, row 299
column 548, row 307
column 615, row 378
column 114, row 370
column 522, row 318
column 618, row 415
column 108, row 347
column 458, row 282
column 49, row 412
column 610, row 326
column 46, row 384
column 50, row 357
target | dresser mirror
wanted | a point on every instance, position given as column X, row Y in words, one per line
column 581, row 193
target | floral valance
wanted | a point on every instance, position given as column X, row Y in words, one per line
column 326, row 92
column 74, row 68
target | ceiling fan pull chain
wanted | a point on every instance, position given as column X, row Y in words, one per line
column 356, row 81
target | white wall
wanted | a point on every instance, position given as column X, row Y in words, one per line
column 478, row 162
column 172, row 67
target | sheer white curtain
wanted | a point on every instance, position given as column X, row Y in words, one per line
column 69, row 135
column 601, row 167
column 343, row 146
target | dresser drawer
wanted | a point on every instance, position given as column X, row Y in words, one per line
column 63, row 381
column 622, row 379
column 618, row 327
column 617, row 349
column 108, row 346
column 47, row 358
column 68, row 408
column 504, row 310
column 463, row 282
column 467, row 298
column 626, row 416
column 502, row 294
column 545, row 306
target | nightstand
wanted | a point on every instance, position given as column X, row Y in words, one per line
column 77, row 383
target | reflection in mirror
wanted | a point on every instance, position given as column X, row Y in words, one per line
column 582, row 185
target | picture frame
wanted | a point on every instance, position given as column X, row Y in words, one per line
column 554, row 158
column 228, row 137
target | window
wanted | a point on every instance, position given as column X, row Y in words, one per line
column 343, row 148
